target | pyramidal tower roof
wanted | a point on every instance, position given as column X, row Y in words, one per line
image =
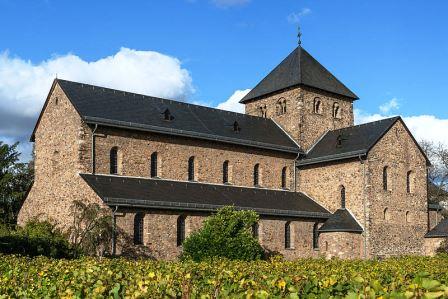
column 299, row 68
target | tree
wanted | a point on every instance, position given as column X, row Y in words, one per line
column 15, row 180
column 226, row 234
column 91, row 230
column 438, row 172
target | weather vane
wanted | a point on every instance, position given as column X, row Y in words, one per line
column 299, row 36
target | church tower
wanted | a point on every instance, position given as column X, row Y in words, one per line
column 303, row 97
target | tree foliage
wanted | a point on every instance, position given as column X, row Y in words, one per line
column 15, row 180
column 226, row 234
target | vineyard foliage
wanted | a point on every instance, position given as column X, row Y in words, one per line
column 40, row 277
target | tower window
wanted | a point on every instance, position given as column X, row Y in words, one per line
column 154, row 165
column 263, row 111
column 281, row 106
column 343, row 197
column 191, row 176
column 386, row 214
column 385, row 178
column 180, row 230
column 408, row 217
column 410, row 182
column 284, row 177
column 138, row 229
column 288, row 241
column 336, row 110
column 317, row 107
column 315, row 236
column 113, row 160
column 257, row 175
column 225, row 172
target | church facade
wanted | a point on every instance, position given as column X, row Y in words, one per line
column 321, row 185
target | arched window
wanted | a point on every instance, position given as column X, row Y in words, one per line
column 113, row 161
column 315, row 236
column 288, row 241
column 154, row 166
column 263, row 111
column 284, row 106
column 257, row 175
column 138, row 228
column 386, row 214
column 284, row 177
column 225, row 172
column 255, row 229
column 180, row 230
column 191, row 169
column 336, row 110
column 317, row 107
column 410, row 182
column 385, row 178
column 408, row 217
column 343, row 197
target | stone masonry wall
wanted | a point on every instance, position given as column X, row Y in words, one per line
column 394, row 233
column 341, row 245
column 300, row 121
column 60, row 142
column 135, row 149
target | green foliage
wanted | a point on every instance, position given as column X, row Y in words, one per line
column 15, row 180
column 226, row 234
column 36, row 238
column 406, row 277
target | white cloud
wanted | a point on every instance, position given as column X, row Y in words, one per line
column 232, row 103
column 295, row 17
column 423, row 127
column 229, row 3
column 393, row 104
column 24, row 85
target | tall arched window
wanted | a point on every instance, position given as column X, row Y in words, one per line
column 154, row 166
column 343, row 197
column 386, row 214
column 180, row 230
column 288, row 241
column 385, row 178
column 284, row 177
column 255, row 229
column 408, row 217
column 284, row 106
column 410, row 182
column 113, row 160
column 336, row 110
column 191, row 176
column 138, row 228
column 315, row 236
column 257, row 175
column 225, row 172
column 317, row 106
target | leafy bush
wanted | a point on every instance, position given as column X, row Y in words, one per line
column 407, row 277
column 226, row 234
column 36, row 238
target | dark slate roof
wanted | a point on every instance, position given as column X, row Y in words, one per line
column 354, row 141
column 299, row 68
column 109, row 107
column 434, row 207
column 341, row 221
column 439, row 231
column 165, row 194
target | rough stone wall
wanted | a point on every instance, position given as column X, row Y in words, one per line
column 432, row 244
column 397, row 234
column 300, row 121
column 60, row 143
column 341, row 245
column 135, row 149
column 434, row 218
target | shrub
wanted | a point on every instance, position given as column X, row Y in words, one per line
column 226, row 234
column 36, row 238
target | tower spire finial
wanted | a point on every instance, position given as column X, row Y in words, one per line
column 299, row 35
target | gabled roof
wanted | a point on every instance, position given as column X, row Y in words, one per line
column 165, row 194
column 439, row 231
column 351, row 142
column 299, row 68
column 341, row 221
column 109, row 107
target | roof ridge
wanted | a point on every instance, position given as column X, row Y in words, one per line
column 163, row 99
column 365, row 124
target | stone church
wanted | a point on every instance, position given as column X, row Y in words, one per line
column 321, row 185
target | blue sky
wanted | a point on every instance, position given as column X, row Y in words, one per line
column 392, row 54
